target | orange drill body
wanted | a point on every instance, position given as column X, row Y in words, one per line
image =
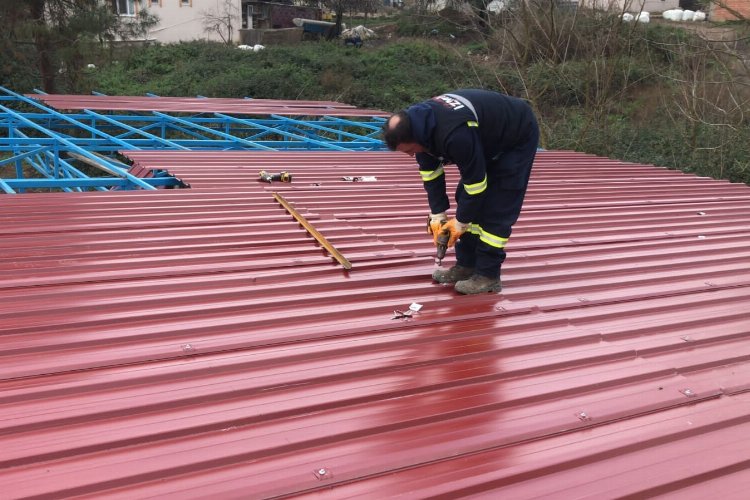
column 442, row 245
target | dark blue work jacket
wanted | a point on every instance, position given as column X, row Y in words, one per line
column 471, row 128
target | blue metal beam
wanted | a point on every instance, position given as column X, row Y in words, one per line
column 114, row 169
column 169, row 144
column 188, row 123
column 6, row 187
column 120, row 123
column 340, row 122
column 87, row 132
column 66, row 118
column 21, row 156
column 285, row 134
column 52, row 155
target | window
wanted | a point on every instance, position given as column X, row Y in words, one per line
column 125, row 7
column 155, row 3
column 186, row 3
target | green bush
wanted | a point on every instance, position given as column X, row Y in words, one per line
column 388, row 77
column 416, row 24
column 663, row 43
column 660, row 143
column 591, row 82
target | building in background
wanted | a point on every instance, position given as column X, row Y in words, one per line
column 258, row 14
column 727, row 10
column 631, row 6
column 184, row 20
column 217, row 20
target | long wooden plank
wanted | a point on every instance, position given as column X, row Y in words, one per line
column 313, row 232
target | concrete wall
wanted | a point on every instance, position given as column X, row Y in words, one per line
column 653, row 6
column 631, row 6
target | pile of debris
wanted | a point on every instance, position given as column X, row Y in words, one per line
column 254, row 48
column 356, row 36
column 678, row 15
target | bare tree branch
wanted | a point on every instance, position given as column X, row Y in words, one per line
column 220, row 21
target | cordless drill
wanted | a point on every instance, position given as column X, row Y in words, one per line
column 269, row 177
column 442, row 245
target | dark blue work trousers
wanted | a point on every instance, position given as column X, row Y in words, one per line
column 507, row 180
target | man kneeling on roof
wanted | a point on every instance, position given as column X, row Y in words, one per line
column 492, row 139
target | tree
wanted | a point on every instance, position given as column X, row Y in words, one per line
column 220, row 20
column 63, row 31
column 368, row 6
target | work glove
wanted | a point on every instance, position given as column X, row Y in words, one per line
column 435, row 223
column 456, row 229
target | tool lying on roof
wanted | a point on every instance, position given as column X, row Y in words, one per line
column 269, row 177
column 409, row 313
column 313, row 232
column 399, row 314
column 362, row 178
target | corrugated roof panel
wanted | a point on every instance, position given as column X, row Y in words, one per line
column 197, row 342
column 204, row 105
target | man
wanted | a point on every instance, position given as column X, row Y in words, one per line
column 492, row 138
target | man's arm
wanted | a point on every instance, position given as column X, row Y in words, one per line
column 464, row 147
column 431, row 170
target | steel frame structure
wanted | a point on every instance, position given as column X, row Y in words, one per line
column 44, row 148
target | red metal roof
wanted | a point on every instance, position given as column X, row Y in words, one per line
column 204, row 105
column 196, row 342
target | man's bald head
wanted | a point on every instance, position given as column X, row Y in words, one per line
column 397, row 130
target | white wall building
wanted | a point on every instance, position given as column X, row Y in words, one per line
column 613, row 5
column 183, row 20
column 631, row 6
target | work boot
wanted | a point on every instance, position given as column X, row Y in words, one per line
column 478, row 284
column 452, row 275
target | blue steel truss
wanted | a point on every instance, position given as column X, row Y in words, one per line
column 45, row 149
